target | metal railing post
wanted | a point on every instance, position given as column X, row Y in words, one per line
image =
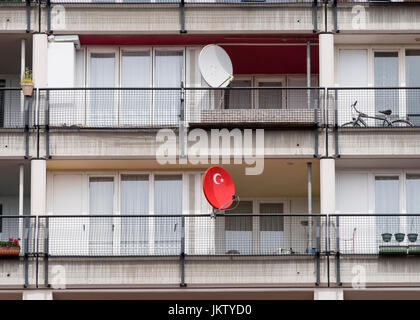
column 337, row 245
column 316, row 116
column 46, row 249
column 182, row 255
column 26, row 234
column 28, row 16
column 182, row 16
column 47, row 124
column 315, row 15
column 27, row 102
column 181, row 123
column 318, row 253
column 337, row 154
column 49, row 16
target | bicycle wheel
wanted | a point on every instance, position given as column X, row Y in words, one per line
column 401, row 123
column 351, row 125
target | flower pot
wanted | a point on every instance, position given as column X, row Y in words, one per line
column 9, row 251
column 399, row 237
column 27, row 88
column 412, row 237
column 386, row 237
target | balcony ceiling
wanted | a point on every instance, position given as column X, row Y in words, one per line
column 250, row 53
column 281, row 177
column 10, row 53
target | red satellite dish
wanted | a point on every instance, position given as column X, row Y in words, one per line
column 218, row 187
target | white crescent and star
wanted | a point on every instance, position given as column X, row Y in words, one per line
column 215, row 178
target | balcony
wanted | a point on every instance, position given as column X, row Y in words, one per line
column 185, row 16
column 383, row 120
column 375, row 249
column 145, row 108
column 348, row 250
column 166, row 250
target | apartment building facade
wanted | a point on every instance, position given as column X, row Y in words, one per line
column 99, row 215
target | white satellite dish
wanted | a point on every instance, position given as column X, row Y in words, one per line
column 215, row 66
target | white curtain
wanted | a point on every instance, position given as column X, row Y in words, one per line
column 271, row 228
column 387, row 201
column 101, row 202
column 413, row 202
column 102, row 74
column 239, row 229
column 168, row 73
column 168, row 201
column 134, row 201
column 352, row 72
column 135, row 104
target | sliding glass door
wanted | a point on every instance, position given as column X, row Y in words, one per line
column 412, row 73
column 101, row 202
column 387, row 201
column 135, row 105
column 167, row 201
column 168, row 74
column 102, row 75
column 386, row 75
column 135, row 201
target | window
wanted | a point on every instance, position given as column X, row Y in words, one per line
column 135, row 72
column 241, row 98
column 101, row 202
column 387, row 197
column 271, row 228
column 412, row 79
column 386, row 75
column 168, row 201
column 413, row 202
column 239, row 229
column 254, row 234
column 134, row 201
column 102, row 75
column 168, row 74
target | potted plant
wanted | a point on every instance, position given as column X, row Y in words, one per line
column 27, row 84
column 10, row 248
column 386, row 237
column 399, row 237
column 412, row 237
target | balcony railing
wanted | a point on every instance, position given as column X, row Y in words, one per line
column 199, row 249
column 375, row 108
column 170, row 107
column 16, row 111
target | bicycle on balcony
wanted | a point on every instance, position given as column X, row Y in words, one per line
column 385, row 118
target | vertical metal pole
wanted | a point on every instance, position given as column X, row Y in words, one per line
column 47, row 124
column 315, row 15
column 318, row 249
column 181, row 125
column 337, row 154
column 309, row 165
column 182, row 16
column 28, row 16
column 183, row 284
column 21, row 172
column 337, row 244
column 46, row 249
column 26, row 117
column 334, row 6
column 48, row 16
column 308, row 72
column 25, row 249
column 326, row 116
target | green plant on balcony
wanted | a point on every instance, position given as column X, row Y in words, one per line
column 27, row 83
column 10, row 247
